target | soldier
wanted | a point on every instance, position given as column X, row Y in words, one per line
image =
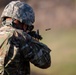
column 17, row 18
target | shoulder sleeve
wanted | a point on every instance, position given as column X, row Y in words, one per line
column 38, row 54
column 35, row 52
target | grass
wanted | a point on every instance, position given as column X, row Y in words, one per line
column 63, row 46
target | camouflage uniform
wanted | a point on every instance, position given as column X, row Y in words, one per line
column 22, row 48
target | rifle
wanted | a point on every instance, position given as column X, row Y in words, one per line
column 34, row 34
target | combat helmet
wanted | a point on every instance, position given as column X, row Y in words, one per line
column 20, row 11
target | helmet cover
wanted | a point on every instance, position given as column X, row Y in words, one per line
column 20, row 11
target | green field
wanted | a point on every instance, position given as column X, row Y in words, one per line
column 63, row 55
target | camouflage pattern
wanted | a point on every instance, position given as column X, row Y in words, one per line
column 20, row 11
column 22, row 50
column 11, row 60
column 4, row 45
column 17, row 48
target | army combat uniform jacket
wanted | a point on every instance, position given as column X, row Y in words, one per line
column 22, row 49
